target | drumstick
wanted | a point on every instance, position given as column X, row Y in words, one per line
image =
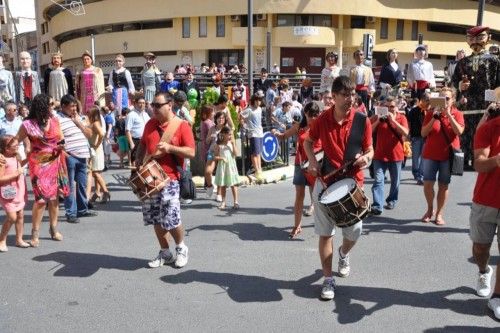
column 343, row 169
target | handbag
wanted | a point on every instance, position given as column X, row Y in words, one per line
column 9, row 192
column 187, row 187
column 456, row 156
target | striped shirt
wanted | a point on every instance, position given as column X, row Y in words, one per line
column 76, row 144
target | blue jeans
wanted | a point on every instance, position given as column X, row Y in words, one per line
column 76, row 203
column 417, row 165
column 378, row 186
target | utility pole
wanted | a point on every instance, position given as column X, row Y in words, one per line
column 480, row 11
column 250, row 46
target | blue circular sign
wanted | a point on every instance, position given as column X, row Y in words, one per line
column 269, row 147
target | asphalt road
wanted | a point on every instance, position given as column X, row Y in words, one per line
column 244, row 274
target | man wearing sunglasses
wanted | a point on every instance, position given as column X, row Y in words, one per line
column 473, row 75
column 162, row 210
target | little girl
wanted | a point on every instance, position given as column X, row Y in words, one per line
column 13, row 193
column 227, row 173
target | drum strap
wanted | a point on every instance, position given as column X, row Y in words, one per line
column 355, row 137
column 166, row 136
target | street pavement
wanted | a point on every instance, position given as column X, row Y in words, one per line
column 244, row 274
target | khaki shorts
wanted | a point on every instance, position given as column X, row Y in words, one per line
column 324, row 225
column 484, row 222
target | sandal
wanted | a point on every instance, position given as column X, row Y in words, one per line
column 23, row 244
column 34, row 242
column 222, row 206
column 439, row 220
column 54, row 234
column 427, row 217
column 236, row 206
column 295, row 231
column 94, row 198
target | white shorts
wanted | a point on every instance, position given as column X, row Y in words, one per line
column 324, row 225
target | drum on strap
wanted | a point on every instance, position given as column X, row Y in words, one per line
column 149, row 180
column 344, row 202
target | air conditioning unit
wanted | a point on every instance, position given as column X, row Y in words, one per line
column 235, row 18
column 261, row 17
column 370, row 19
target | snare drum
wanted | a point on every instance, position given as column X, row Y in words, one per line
column 344, row 202
column 148, row 180
column 319, row 157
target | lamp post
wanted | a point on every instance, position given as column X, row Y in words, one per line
column 480, row 11
column 250, row 47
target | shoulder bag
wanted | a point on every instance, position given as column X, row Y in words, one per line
column 456, row 156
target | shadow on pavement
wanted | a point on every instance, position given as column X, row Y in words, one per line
column 390, row 225
column 251, row 231
column 350, row 312
column 461, row 329
column 250, row 288
column 86, row 264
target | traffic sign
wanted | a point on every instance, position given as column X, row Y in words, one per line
column 269, row 147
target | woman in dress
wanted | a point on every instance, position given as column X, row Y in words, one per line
column 89, row 84
column 150, row 78
column 390, row 75
column 46, row 163
column 330, row 72
column 120, row 84
column 97, row 157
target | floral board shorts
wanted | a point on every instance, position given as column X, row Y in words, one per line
column 163, row 208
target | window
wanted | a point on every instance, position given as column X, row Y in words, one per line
column 315, row 61
column 221, row 26
column 227, row 57
column 2, row 20
column 357, row 22
column 46, row 48
column 186, row 27
column 384, row 28
column 244, row 20
column 290, row 20
column 287, row 62
column 202, row 31
column 414, row 30
column 400, row 29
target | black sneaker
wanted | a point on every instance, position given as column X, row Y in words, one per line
column 390, row 205
column 88, row 213
column 376, row 212
column 72, row 219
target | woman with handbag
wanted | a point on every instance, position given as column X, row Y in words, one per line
column 442, row 127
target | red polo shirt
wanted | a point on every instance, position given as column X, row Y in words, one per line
column 389, row 147
column 488, row 183
column 183, row 137
column 334, row 136
column 436, row 148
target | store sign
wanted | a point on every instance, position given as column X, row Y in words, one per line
column 305, row 31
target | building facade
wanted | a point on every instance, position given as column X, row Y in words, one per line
column 289, row 33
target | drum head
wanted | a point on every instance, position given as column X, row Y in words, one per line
column 337, row 190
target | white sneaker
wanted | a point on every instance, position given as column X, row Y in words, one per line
column 210, row 192
column 494, row 305
column 328, row 290
column 218, row 198
column 163, row 257
column 182, row 256
column 484, row 283
column 186, row 201
column 344, row 266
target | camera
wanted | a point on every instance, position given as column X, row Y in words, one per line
column 383, row 119
column 436, row 115
column 493, row 113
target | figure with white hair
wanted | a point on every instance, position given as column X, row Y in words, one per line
column 26, row 82
column 7, row 90
column 120, row 84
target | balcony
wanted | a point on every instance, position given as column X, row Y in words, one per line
column 303, row 36
column 240, row 36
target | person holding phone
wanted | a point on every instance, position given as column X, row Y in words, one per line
column 439, row 123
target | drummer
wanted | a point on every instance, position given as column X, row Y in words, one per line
column 162, row 210
column 332, row 128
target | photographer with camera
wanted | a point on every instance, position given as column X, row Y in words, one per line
column 440, row 125
column 389, row 130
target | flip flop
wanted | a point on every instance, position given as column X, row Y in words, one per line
column 295, row 231
column 426, row 218
column 439, row 220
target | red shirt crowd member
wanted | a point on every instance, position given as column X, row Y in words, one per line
column 437, row 123
column 163, row 209
column 332, row 127
column 389, row 155
column 485, row 211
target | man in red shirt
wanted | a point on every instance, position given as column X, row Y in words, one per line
column 163, row 209
column 485, row 211
column 389, row 154
column 332, row 127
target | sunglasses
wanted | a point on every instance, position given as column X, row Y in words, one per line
column 158, row 105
